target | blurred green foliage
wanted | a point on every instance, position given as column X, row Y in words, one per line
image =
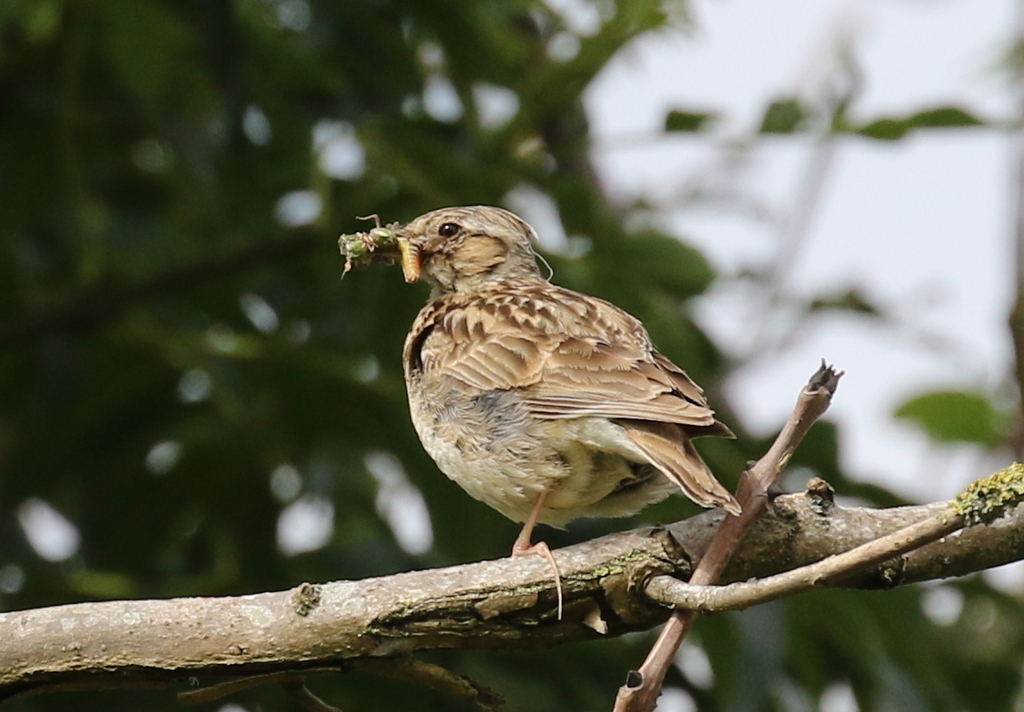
column 942, row 118
column 958, row 416
column 181, row 367
column 686, row 121
column 783, row 116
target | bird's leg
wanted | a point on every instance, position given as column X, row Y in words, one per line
column 523, row 547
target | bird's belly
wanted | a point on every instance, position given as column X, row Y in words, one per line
column 486, row 446
column 608, row 475
column 504, row 457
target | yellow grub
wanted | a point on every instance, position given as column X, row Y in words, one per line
column 410, row 259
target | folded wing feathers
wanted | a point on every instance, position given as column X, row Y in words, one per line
column 615, row 381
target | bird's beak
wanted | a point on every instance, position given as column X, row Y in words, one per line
column 410, row 257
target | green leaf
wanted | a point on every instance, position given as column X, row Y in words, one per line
column 893, row 129
column 956, row 416
column 663, row 261
column 687, row 121
column 851, row 300
column 783, row 116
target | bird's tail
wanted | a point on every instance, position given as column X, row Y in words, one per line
column 669, row 449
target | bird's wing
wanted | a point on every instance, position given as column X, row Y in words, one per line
column 569, row 355
column 590, row 376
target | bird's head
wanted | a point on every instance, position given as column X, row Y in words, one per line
column 466, row 249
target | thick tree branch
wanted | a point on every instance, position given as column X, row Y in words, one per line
column 504, row 604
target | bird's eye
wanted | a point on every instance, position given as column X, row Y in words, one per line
column 449, row 230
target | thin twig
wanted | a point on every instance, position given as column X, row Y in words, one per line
column 737, row 596
column 231, row 687
column 411, row 670
column 1016, row 317
column 434, row 677
column 643, row 686
column 302, row 694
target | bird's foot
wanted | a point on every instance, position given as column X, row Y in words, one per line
column 524, row 548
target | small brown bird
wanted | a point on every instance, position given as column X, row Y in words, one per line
column 546, row 404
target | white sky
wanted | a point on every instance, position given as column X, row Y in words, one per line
column 922, row 225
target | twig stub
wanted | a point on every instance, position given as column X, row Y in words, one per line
column 826, row 377
column 821, row 496
column 306, row 597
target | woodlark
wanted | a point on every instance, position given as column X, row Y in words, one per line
column 544, row 403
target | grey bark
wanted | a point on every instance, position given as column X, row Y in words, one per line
column 503, row 604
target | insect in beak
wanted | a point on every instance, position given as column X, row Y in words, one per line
column 410, row 258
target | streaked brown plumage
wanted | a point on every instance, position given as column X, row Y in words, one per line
column 546, row 404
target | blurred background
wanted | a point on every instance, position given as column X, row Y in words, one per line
column 192, row 402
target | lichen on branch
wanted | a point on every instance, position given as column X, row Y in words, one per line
column 989, row 498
